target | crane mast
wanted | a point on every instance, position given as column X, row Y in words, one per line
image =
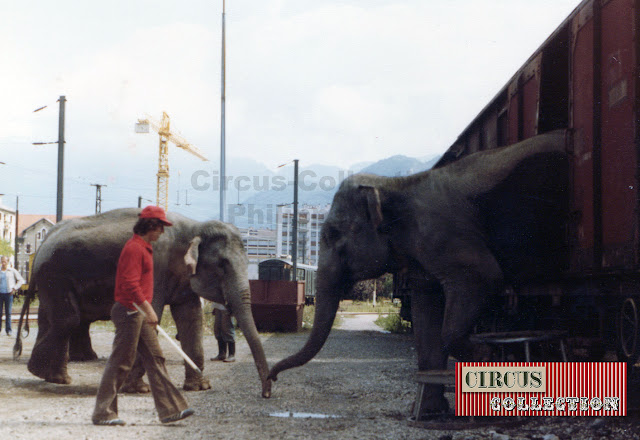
column 163, row 129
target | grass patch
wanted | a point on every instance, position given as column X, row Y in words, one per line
column 308, row 314
column 384, row 306
column 18, row 301
column 393, row 323
column 104, row 325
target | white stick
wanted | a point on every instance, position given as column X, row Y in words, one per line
column 178, row 349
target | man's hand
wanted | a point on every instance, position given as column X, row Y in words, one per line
column 151, row 317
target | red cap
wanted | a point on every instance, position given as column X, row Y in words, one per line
column 155, row 212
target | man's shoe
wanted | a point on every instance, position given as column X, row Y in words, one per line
column 181, row 415
column 232, row 353
column 222, row 351
column 112, row 422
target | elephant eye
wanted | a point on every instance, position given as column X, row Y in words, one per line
column 330, row 234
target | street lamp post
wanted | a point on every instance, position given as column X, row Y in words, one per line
column 294, row 247
column 60, row 191
column 60, row 160
column 294, row 251
column 223, row 179
column 140, row 199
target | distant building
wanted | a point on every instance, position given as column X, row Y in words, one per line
column 7, row 224
column 33, row 230
column 259, row 243
column 310, row 221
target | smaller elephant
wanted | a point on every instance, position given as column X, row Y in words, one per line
column 466, row 227
column 74, row 275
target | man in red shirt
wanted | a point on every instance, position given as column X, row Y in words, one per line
column 135, row 332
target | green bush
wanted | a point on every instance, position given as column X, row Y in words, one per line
column 393, row 323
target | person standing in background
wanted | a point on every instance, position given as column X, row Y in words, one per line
column 10, row 282
column 225, row 334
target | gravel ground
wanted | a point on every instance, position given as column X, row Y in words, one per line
column 360, row 386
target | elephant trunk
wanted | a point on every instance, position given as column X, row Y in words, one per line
column 242, row 311
column 327, row 302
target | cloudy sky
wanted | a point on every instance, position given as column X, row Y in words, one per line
column 332, row 82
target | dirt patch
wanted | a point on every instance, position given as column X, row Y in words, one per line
column 360, row 386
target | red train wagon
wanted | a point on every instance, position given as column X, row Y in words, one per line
column 585, row 78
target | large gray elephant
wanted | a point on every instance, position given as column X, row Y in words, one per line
column 74, row 274
column 466, row 226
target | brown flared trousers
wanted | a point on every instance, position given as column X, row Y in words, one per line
column 133, row 334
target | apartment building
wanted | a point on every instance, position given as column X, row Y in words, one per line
column 310, row 221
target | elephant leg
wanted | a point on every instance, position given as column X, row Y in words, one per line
column 80, row 348
column 57, row 316
column 37, row 365
column 134, row 384
column 467, row 295
column 427, row 310
column 188, row 319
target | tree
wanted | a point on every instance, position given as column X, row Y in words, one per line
column 5, row 248
column 363, row 290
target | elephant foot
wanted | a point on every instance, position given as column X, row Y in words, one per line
column 135, row 387
column 36, row 369
column 45, row 373
column 200, row 383
column 83, row 357
column 59, row 378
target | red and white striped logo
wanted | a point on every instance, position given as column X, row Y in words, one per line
column 541, row 389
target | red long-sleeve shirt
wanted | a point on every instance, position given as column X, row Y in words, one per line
column 134, row 277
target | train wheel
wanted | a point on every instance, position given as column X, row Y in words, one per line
column 628, row 331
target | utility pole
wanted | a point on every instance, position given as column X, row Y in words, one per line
column 98, row 197
column 60, row 160
column 222, row 122
column 294, row 251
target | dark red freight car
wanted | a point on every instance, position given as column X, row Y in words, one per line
column 585, row 78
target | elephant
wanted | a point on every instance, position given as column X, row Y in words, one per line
column 74, row 275
column 463, row 226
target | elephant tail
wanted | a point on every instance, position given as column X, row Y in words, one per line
column 24, row 317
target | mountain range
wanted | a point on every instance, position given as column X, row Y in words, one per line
column 317, row 185
column 253, row 190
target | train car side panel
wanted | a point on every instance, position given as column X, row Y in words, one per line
column 530, row 97
column 619, row 161
column 582, row 215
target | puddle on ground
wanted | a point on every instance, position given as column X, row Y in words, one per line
column 301, row 415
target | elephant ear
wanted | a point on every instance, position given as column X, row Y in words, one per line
column 373, row 204
column 191, row 257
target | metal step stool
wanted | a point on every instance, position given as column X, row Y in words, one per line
column 522, row 337
column 431, row 377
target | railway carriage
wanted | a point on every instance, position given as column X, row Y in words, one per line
column 584, row 78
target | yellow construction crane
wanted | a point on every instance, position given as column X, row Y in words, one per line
column 163, row 129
